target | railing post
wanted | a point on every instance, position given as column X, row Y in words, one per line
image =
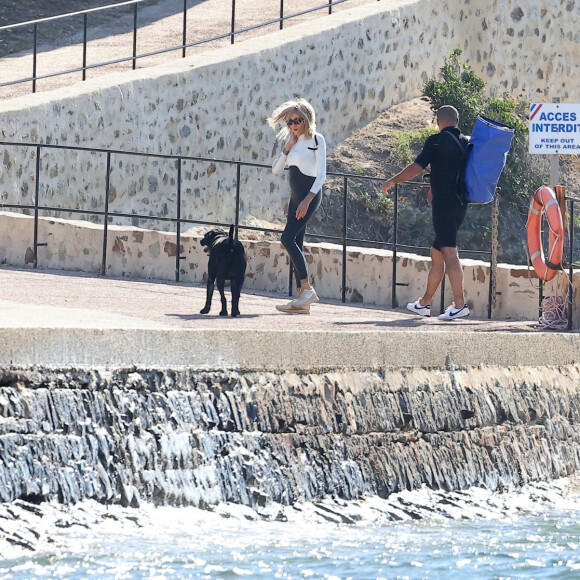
column 233, row 20
column 540, row 298
column 493, row 259
column 184, row 27
column 290, row 279
column 85, row 17
column 134, row 36
column 330, row 6
column 36, row 196
column 34, row 49
column 178, row 237
column 106, row 217
column 571, row 269
column 281, row 14
column 442, row 299
column 344, row 236
column 395, row 240
column 238, row 179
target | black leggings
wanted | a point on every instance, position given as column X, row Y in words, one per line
column 293, row 235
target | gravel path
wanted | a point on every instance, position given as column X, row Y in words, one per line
column 160, row 27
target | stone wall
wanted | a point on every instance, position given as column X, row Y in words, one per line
column 151, row 254
column 187, row 437
column 351, row 65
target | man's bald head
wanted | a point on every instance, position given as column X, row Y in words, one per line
column 447, row 116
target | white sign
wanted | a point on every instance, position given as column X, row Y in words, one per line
column 554, row 128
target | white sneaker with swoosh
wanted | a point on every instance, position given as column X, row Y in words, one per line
column 452, row 313
column 419, row 309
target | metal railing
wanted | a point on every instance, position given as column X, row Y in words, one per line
column 231, row 34
column 106, row 215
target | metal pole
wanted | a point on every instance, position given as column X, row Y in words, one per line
column 344, row 225
column 34, row 49
column 36, row 196
column 330, row 6
column 555, row 161
column 106, row 223
column 233, row 20
column 442, row 301
column 281, row 14
column 290, row 279
column 395, row 239
column 85, row 17
column 184, row 27
column 571, row 267
column 493, row 259
column 238, row 179
column 178, row 240
column 134, row 36
column 554, row 179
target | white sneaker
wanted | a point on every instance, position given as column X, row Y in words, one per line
column 419, row 309
column 291, row 309
column 452, row 313
column 306, row 297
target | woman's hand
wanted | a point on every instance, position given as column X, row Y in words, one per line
column 302, row 208
column 291, row 142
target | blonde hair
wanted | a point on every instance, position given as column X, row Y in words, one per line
column 298, row 106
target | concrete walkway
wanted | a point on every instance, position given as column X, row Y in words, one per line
column 72, row 319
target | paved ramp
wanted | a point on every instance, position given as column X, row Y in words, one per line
column 50, row 318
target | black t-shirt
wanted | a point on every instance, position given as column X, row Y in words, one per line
column 442, row 152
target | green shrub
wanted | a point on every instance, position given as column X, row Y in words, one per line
column 405, row 143
column 460, row 87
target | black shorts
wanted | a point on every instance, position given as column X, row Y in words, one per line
column 446, row 223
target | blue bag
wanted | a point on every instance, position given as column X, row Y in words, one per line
column 484, row 159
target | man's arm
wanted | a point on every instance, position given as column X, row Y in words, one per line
column 412, row 170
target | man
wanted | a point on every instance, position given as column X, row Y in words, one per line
column 442, row 152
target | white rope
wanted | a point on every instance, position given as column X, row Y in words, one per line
column 554, row 313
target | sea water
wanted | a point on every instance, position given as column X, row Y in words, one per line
column 533, row 532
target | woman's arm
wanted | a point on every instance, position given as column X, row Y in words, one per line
column 320, row 156
column 280, row 162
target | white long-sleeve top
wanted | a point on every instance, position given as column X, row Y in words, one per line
column 311, row 162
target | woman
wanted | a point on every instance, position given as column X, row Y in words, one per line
column 304, row 153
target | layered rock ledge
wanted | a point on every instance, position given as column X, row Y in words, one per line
column 200, row 437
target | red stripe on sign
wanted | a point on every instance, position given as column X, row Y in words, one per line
column 534, row 113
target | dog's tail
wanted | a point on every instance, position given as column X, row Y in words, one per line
column 232, row 230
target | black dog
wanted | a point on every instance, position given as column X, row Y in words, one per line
column 227, row 261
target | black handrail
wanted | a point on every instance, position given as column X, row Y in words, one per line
column 178, row 220
column 232, row 33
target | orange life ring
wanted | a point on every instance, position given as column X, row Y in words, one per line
column 544, row 201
